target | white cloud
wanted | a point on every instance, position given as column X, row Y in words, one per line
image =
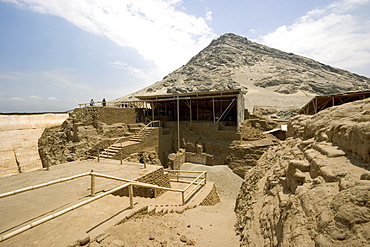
column 332, row 35
column 119, row 64
column 58, row 77
column 52, row 99
column 345, row 5
column 36, row 97
column 209, row 16
column 16, row 99
column 144, row 76
column 155, row 28
column 8, row 76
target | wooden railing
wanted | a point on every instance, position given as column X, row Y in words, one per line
column 198, row 181
column 128, row 183
column 119, row 140
column 122, row 104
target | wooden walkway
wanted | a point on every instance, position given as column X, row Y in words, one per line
column 90, row 220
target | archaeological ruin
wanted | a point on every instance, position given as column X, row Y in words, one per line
column 244, row 145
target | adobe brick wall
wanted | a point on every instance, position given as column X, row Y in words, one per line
column 150, row 142
column 212, row 198
column 212, row 130
column 157, row 177
column 108, row 115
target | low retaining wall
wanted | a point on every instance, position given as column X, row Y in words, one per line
column 157, row 177
column 212, row 198
column 108, row 115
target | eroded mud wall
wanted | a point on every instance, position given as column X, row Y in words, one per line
column 314, row 188
column 19, row 134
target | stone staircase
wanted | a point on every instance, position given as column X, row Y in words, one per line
column 166, row 209
column 139, row 133
column 206, row 196
column 322, row 162
column 142, row 134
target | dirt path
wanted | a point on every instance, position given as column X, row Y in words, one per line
column 25, row 208
column 202, row 226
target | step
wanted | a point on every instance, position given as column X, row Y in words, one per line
column 321, row 165
column 106, row 156
column 328, row 149
column 134, row 130
column 134, row 125
column 136, row 139
column 115, row 148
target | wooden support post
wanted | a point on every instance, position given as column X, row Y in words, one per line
column 191, row 120
column 178, row 123
column 153, row 109
column 183, row 197
column 98, row 156
column 205, row 178
column 197, row 109
column 213, row 110
column 120, row 153
column 131, row 195
column 92, row 184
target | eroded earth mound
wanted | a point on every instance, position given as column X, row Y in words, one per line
column 268, row 76
column 81, row 136
column 313, row 189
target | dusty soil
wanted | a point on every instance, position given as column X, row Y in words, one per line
column 21, row 209
column 201, row 226
column 312, row 189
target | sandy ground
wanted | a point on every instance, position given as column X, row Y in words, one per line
column 201, row 226
column 22, row 209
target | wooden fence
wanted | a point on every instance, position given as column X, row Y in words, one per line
column 93, row 175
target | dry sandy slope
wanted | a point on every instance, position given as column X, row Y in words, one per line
column 19, row 136
column 314, row 188
column 202, row 226
column 269, row 77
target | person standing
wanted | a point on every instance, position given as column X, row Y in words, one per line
column 104, row 102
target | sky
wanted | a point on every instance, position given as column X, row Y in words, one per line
column 56, row 54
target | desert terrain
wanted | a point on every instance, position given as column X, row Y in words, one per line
column 19, row 135
column 309, row 189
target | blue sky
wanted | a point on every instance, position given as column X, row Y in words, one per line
column 55, row 54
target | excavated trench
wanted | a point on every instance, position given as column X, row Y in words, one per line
column 86, row 132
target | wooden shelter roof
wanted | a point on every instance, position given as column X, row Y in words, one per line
column 192, row 95
column 319, row 103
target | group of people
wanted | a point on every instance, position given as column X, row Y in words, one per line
column 103, row 102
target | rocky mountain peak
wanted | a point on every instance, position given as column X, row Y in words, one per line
column 266, row 74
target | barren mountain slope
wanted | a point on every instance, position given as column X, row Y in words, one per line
column 313, row 189
column 269, row 76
